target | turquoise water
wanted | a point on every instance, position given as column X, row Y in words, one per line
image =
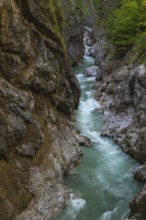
column 102, row 185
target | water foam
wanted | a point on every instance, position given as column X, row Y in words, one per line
column 75, row 205
column 108, row 215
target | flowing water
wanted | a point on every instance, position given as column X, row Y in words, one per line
column 102, row 185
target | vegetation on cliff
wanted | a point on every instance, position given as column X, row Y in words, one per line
column 38, row 92
column 127, row 25
column 56, row 18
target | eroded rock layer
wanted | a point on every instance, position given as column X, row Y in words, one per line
column 38, row 93
column 122, row 92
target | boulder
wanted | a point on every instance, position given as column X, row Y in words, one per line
column 84, row 141
column 137, row 206
column 93, row 71
column 140, row 173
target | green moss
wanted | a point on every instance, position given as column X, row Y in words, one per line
column 82, row 6
column 53, row 10
column 58, row 21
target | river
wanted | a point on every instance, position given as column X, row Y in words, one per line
column 102, row 185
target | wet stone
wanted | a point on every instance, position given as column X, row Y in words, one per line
column 84, row 141
column 91, row 71
column 140, row 173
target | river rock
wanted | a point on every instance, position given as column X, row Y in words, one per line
column 137, row 206
column 93, row 71
column 84, row 141
column 140, row 173
column 88, row 36
column 92, row 51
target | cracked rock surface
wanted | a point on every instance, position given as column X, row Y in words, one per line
column 38, row 93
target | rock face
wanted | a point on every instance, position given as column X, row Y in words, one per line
column 38, row 92
column 122, row 93
column 124, row 100
column 137, row 206
column 140, row 173
column 73, row 31
column 84, row 141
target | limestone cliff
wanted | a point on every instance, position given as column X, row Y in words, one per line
column 38, row 93
column 73, row 31
column 122, row 92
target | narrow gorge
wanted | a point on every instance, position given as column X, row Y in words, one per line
column 102, row 185
column 49, row 109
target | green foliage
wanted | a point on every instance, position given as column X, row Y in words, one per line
column 127, row 25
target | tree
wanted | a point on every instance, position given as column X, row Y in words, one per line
column 123, row 25
column 127, row 25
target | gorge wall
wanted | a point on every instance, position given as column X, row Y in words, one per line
column 38, row 93
column 39, row 42
column 123, row 98
column 121, row 88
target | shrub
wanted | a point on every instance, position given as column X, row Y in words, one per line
column 127, row 25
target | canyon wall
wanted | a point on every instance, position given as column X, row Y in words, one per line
column 122, row 93
column 123, row 96
column 38, row 93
